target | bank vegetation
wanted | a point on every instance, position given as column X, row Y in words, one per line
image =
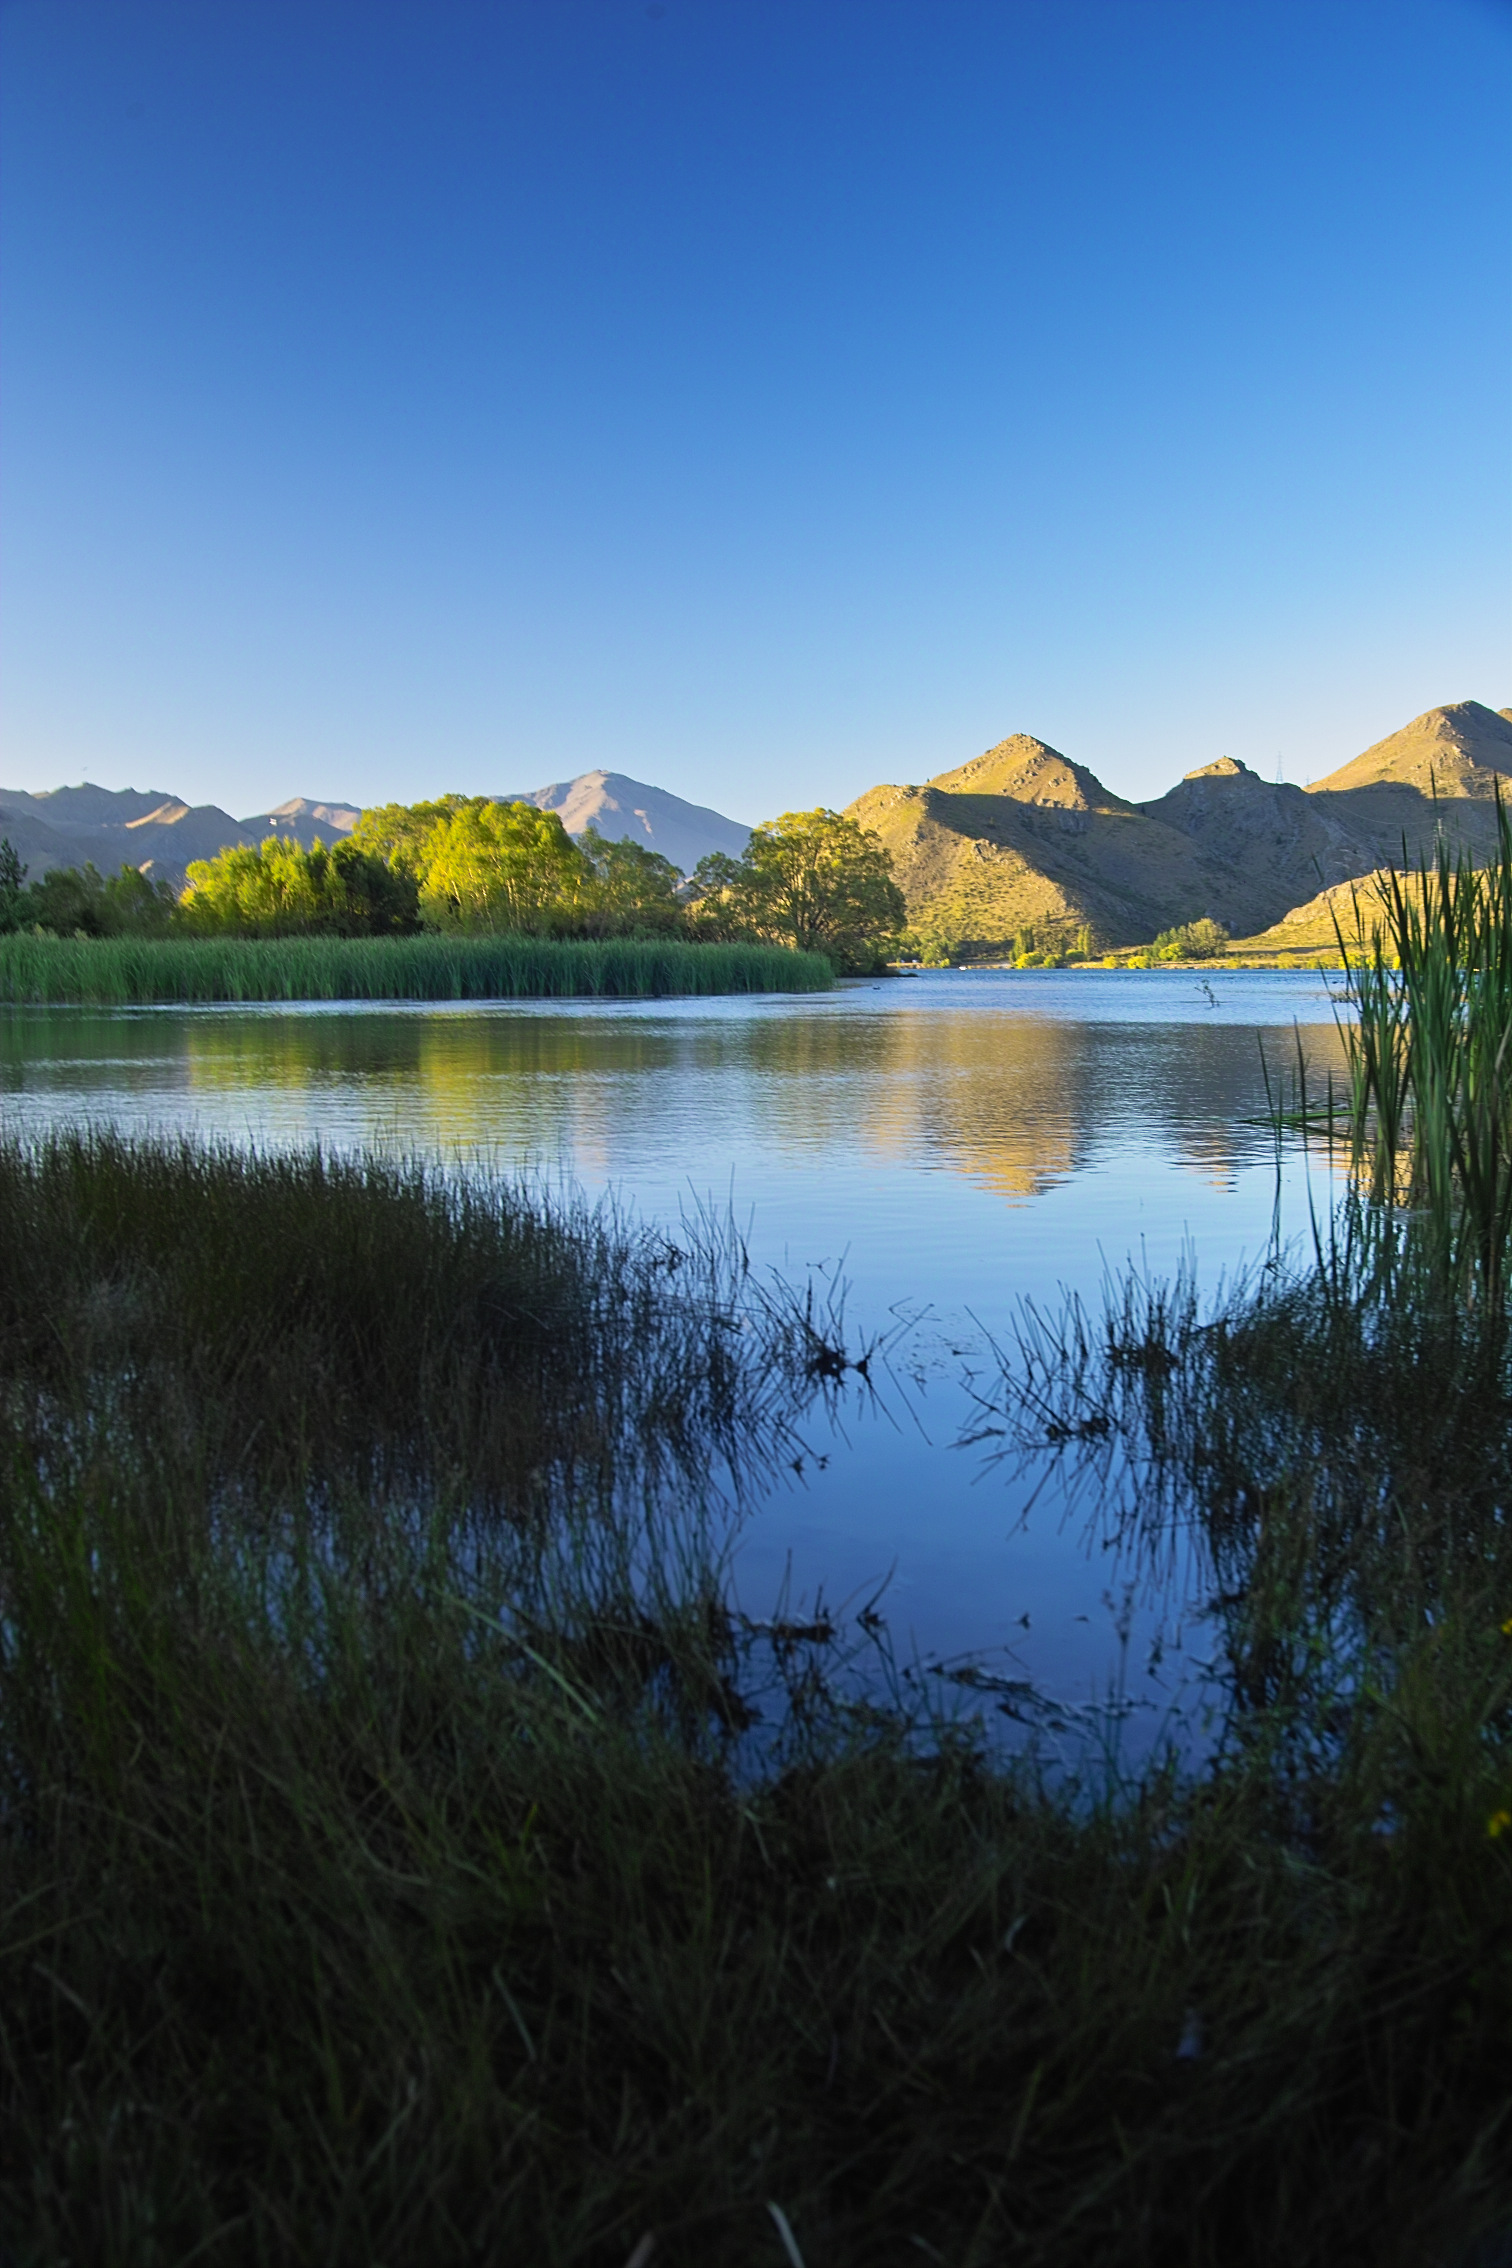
column 407, row 1851
column 504, row 889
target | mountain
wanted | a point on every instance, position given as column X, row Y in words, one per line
column 161, row 835
column 156, row 832
column 1023, row 837
column 622, row 809
column 306, row 823
column 1020, row 837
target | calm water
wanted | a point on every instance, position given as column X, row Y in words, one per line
column 955, row 1142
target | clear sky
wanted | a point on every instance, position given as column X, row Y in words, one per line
column 761, row 397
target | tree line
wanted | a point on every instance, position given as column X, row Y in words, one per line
column 810, row 879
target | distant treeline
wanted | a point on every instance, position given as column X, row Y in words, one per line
column 465, row 866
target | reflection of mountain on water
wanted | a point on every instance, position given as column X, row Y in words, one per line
column 1016, row 1103
column 1023, row 1104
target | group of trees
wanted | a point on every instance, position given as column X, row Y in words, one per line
column 77, row 901
column 476, row 865
column 279, row 890
column 811, row 879
column 1051, row 947
column 1202, row 940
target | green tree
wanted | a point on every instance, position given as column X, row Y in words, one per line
column 77, row 901
column 812, row 879
column 280, row 890
column 503, row 866
column 69, row 901
column 12, row 877
column 928, row 943
column 399, row 833
column 629, row 890
column 1202, row 940
column 718, row 910
column 134, row 905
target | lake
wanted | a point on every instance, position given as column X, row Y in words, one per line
column 952, row 1143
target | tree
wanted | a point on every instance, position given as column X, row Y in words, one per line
column 398, row 833
column 12, row 876
column 503, row 866
column 136, row 906
column 927, row 942
column 69, row 901
column 1202, row 940
column 629, row 890
column 813, row 879
column 279, row 890
column 78, row 901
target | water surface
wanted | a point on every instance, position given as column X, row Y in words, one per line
column 955, row 1142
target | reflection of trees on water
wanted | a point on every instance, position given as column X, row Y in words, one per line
column 1018, row 1103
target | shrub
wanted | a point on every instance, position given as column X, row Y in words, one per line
column 1202, row 940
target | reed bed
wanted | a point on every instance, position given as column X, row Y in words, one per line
column 1430, row 1106
column 127, row 971
column 406, row 1853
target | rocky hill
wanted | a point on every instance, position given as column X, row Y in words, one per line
column 1022, row 837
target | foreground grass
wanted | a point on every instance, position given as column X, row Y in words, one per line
column 126, row 971
column 393, row 1865
column 1430, row 1103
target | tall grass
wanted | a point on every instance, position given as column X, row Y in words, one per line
column 125, row 971
column 407, row 1855
column 1431, row 1055
column 1319, row 1462
column 1321, row 1456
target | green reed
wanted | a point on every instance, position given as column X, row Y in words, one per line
column 125, row 971
column 1431, row 1055
column 408, row 1853
column 1317, row 1460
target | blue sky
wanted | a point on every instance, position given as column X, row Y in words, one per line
column 761, row 397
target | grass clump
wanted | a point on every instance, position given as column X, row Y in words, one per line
column 1320, row 1457
column 1430, row 1106
column 136, row 971
column 406, row 1854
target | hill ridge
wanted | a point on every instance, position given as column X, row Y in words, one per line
column 1022, row 837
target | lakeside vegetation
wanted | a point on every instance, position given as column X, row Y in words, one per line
column 1052, row 946
column 459, row 899
column 135, row 971
column 409, row 1854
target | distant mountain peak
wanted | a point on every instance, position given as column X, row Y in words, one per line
column 1223, row 768
column 625, row 810
column 1027, row 770
column 1458, row 749
column 335, row 813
